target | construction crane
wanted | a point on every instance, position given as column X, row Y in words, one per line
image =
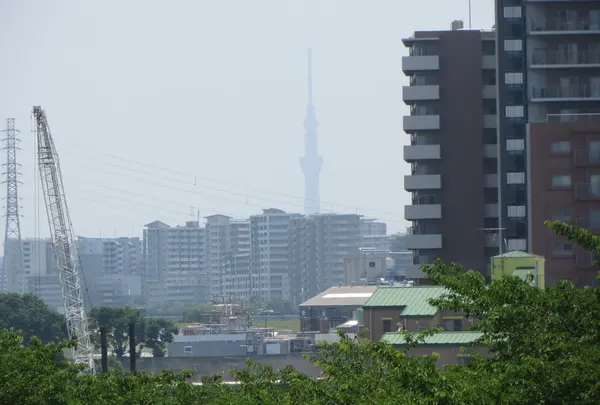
column 63, row 242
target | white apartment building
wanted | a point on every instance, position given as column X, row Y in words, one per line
column 111, row 267
column 318, row 246
column 40, row 274
column 175, row 263
column 269, row 234
column 237, row 275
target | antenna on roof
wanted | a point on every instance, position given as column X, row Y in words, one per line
column 470, row 25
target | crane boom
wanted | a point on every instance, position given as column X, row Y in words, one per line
column 63, row 242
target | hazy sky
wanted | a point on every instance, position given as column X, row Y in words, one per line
column 160, row 106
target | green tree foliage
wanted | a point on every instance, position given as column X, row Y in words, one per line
column 151, row 333
column 32, row 316
column 544, row 349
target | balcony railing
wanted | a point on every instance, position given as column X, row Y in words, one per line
column 591, row 224
column 555, row 57
column 587, row 191
column 562, row 24
column 586, row 157
column 571, row 91
column 573, row 117
column 420, row 230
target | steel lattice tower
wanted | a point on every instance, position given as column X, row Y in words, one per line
column 13, row 272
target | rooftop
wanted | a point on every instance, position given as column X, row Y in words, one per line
column 354, row 296
column 517, row 254
column 413, row 299
column 442, row 338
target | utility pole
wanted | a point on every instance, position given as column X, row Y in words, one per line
column 13, row 274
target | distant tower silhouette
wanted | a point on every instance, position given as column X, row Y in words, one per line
column 13, row 274
column 311, row 162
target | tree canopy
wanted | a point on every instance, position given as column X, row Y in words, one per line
column 543, row 348
column 151, row 333
column 32, row 316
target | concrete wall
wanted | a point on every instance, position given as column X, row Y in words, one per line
column 209, row 366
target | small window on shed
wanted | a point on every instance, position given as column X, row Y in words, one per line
column 371, row 264
column 187, row 351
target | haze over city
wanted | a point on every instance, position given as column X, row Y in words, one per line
column 214, row 93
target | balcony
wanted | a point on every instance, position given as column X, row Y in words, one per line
column 491, row 240
column 589, row 223
column 572, row 92
column 422, row 182
column 425, row 211
column 490, row 151
column 564, row 59
column 573, row 117
column 418, row 93
column 420, row 63
column 490, row 121
column 489, row 92
column 586, row 157
column 554, row 26
column 587, row 191
column 490, row 180
column 420, row 122
column 417, row 240
column 488, row 62
column 421, row 152
column 491, row 210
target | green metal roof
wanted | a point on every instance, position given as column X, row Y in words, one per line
column 517, row 254
column 442, row 338
column 413, row 299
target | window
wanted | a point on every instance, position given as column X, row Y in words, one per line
column 386, row 325
column 513, row 145
column 562, row 249
column 560, row 147
column 562, row 214
column 512, row 12
column 371, row 265
column 516, row 211
column 187, row 351
column 513, row 78
column 515, row 178
column 513, row 45
column 453, row 324
column 422, row 325
column 561, row 181
column 514, row 111
column 594, row 151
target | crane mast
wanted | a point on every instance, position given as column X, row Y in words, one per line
column 63, row 241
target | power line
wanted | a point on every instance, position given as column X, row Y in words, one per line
column 195, row 177
column 196, row 192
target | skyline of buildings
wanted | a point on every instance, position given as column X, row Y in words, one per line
column 271, row 256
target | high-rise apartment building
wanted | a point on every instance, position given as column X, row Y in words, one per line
column 228, row 254
column 175, row 263
column 237, row 276
column 40, row 273
column 318, row 247
column 112, row 269
column 549, row 128
column 452, row 152
column 269, row 237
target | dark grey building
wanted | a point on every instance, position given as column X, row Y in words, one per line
column 512, row 121
column 452, row 152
